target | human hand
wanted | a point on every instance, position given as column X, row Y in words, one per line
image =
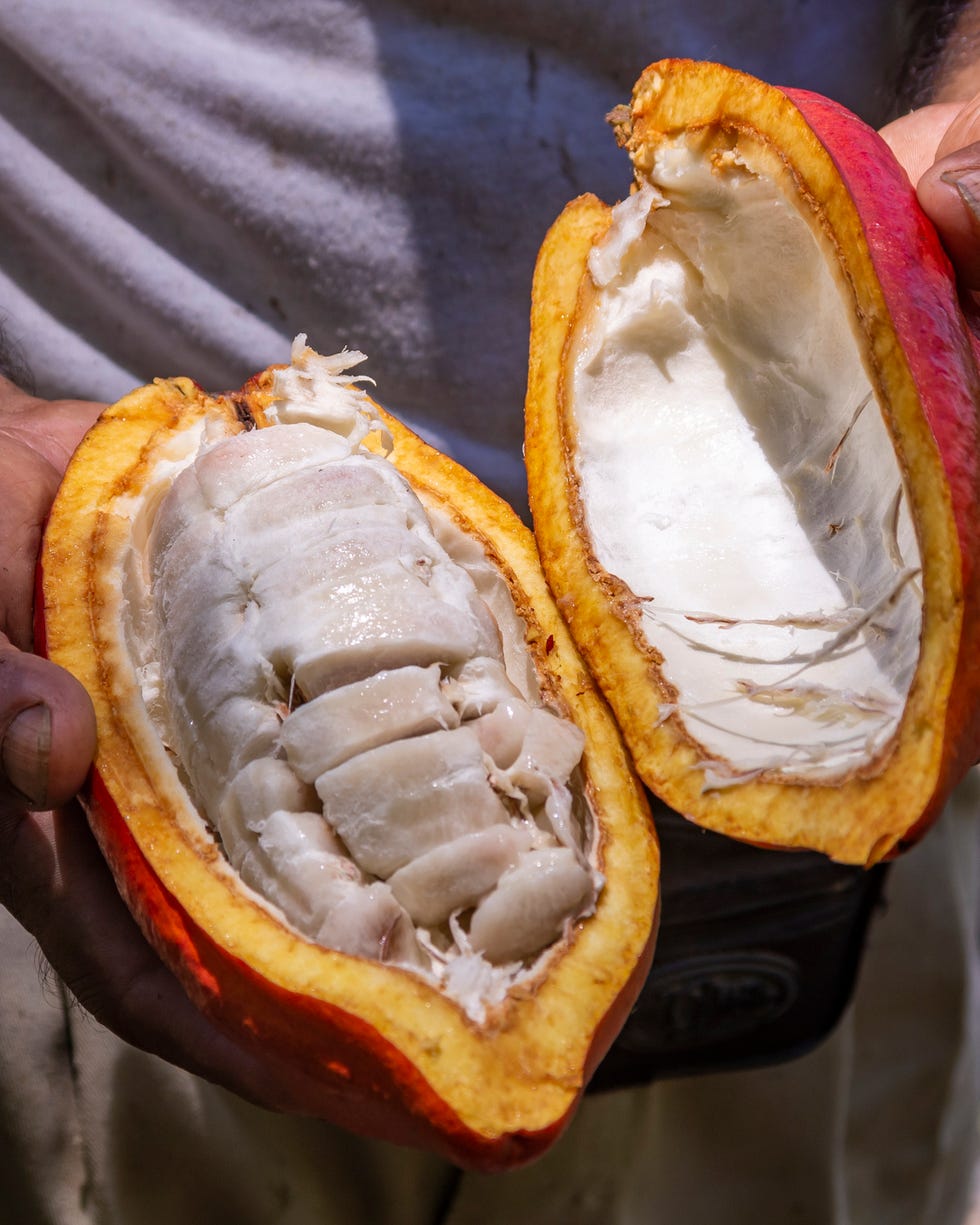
column 52, row 877
column 939, row 146
column 47, row 729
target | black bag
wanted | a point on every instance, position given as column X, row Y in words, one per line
column 756, row 959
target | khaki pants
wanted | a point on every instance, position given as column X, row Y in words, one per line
column 878, row 1126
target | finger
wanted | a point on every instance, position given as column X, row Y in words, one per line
column 35, row 443
column 47, row 731
column 949, row 192
column 29, row 485
column 52, row 428
column 915, row 138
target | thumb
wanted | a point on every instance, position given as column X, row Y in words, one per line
column 949, row 192
column 47, row 731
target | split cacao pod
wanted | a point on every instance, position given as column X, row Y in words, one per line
column 236, row 800
column 753, row 467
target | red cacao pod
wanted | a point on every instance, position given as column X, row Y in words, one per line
column 246, row 844
column 753, row 467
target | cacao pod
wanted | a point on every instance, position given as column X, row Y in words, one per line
column 352, row 777
column 753, row 467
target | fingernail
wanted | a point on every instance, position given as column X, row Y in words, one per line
column 26, row 752
column 968, row 185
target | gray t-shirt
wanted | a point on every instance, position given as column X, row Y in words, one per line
column 188, row 183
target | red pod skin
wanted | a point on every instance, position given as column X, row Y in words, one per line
column 378, row 1049
column 942, row 356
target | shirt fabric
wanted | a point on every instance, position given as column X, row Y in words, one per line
column 189, row 183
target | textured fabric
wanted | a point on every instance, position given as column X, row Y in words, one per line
column 877, row 1126
column 187, row 183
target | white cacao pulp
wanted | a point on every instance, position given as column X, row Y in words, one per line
column 737, row 475
column 340, row 676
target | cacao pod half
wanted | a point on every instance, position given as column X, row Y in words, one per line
column 753, row 467
column 353, row 779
